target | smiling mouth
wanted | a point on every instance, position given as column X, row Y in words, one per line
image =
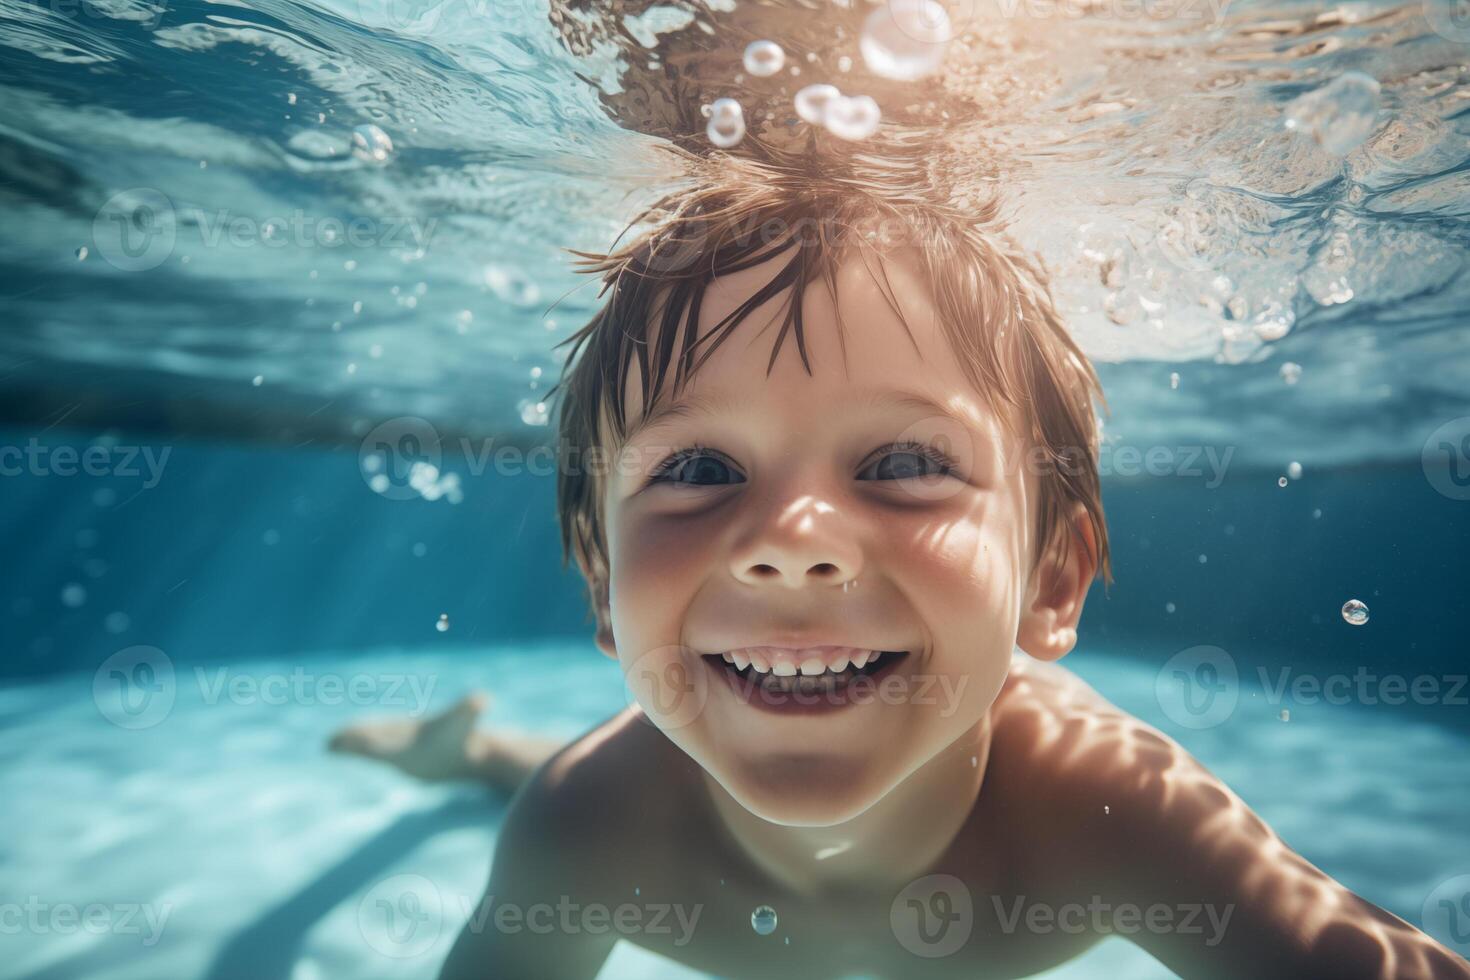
column 794, row 684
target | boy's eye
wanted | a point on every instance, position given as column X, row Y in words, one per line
column 696, row 467
column 908, row 462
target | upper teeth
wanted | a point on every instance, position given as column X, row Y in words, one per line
column 761, row 662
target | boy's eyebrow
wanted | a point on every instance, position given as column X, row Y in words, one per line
column 717, row 401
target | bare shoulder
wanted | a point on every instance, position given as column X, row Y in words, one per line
column 591, row 806
column 1110, row 777
column 1120, row 811
column 586, row 823
column 1072, row 741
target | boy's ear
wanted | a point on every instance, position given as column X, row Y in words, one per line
column 602, row 609
column 1057, row 589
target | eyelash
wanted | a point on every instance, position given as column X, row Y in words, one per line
column 936, row 456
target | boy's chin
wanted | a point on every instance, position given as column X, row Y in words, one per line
column 800, row 790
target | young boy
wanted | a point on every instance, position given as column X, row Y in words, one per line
column 829, row 467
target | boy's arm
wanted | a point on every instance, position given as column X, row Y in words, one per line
column 1263, row 909
column 529, row 922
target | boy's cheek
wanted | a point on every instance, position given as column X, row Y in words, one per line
column 656, row 568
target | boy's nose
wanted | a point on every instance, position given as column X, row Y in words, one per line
column 805, row 544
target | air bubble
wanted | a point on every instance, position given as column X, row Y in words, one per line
column 764, row 58
column 763, row 920
column 812, row 101
column 443, row 624
column 534, row 412
column 905, row 39
column 853, row 118
column 371, row 144
column 1294, row 470
column 1291, row 372
column 512, row 286
column 1271, row 327
column 1355, row 612
column 726, row 123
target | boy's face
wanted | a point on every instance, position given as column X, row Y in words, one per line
column 809, row 514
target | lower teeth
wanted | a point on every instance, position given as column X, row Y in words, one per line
column 803, row 683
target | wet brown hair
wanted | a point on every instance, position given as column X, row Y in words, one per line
column 993, row 302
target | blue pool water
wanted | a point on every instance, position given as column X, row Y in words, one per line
column 262, row 856
column 215, row 313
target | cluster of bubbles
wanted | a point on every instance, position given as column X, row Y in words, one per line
column 1338, row 116
column 726, row 127
column 424, row 479
column 534, row 411
column 371, row 144
column 903, row 40
column 512, row 286
column 430, row 484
